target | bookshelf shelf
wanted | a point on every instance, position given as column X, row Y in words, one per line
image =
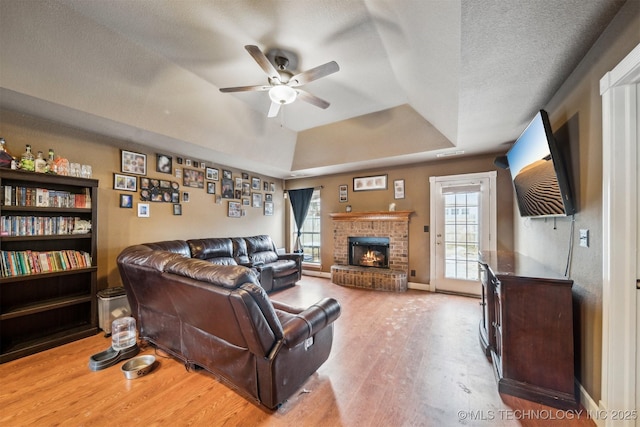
column 43, row 309
column 46, row 237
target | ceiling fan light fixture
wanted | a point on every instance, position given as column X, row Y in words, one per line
column 282, row 94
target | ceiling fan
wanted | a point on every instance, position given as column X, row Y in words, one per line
column 284, row 86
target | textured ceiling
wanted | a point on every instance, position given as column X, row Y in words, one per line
column 416, row 78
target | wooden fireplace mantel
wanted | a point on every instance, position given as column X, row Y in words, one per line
column 371, row 216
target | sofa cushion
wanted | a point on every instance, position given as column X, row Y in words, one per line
column 240, row 250
column 284, row 267
column 221, row 275
column 259, row 243
column 266, row 257
column 215, row 250
column 154, row 259
column 176, row 246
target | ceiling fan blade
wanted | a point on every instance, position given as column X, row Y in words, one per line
column 245, row 88
column 263, row 62
column 274, row 109
column 312, row 99
column 314, row 74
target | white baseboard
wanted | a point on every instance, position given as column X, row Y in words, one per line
column 419, row 286
column 313, row 273
column 590, row 405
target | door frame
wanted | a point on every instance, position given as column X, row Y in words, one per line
column 493, row 215
column 620, row 296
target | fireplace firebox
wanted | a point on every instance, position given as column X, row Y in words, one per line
column 369, row 251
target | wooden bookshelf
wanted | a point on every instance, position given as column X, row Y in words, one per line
column 44, row 309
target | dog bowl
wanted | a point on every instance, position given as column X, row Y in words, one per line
column 138, row 366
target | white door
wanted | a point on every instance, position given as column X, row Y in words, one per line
column 463, row 216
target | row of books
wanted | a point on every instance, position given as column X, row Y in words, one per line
column 19, row 225
column 21, row 263
column 41, row 197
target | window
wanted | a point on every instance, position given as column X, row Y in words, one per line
column 310, row 237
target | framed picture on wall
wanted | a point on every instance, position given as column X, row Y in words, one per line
column 135, row 163
column 227, row 188
column 398, row 189
column 143, row 210
column 256, row 200
column 255, row 183
column 126, row 201
column 125, row 182
column 212, row 174
column 367, row 183
column 193, row 178
column 211, row 187
column 164, row 163
column 343, row 193
column 268, row 208
column 235, row 210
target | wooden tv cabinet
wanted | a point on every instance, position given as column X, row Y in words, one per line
column 527, row 329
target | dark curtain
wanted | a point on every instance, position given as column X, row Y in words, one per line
column 300, row 200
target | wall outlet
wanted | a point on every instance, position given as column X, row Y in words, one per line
column 584, row 238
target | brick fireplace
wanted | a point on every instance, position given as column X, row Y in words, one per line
column 391, row 225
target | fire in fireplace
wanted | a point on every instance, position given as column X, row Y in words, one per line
column 369, row 251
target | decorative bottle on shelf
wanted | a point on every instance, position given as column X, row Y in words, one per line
column 6, row 159
column 40, row 165
column 27, row 162
column 51, row 163
column 62, row 166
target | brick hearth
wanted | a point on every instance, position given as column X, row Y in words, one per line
column 395, row 226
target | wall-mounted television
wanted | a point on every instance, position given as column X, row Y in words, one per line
column 539, row 173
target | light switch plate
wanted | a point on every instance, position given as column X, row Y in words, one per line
column 584, row 238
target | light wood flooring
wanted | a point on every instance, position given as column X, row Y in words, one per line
column 399, row 359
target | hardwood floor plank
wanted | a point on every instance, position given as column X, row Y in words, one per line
column 401, row 359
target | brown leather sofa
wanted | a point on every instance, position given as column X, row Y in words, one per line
column 218, row 317
column 275, row 271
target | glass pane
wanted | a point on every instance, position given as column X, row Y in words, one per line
column 450, row 269
column 462, row 235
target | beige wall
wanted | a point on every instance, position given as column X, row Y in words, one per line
column 118, row 227
column 416, row 199
column 578, row 103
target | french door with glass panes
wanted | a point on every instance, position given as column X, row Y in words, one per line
column 463, row 218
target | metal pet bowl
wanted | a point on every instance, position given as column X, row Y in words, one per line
column 138, row 366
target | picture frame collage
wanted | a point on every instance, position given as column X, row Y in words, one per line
column 242, row 191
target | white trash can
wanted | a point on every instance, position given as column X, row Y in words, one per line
column 112, row 305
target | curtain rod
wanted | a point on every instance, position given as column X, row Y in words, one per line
column 320, row 187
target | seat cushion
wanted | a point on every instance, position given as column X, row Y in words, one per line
column 283, row 267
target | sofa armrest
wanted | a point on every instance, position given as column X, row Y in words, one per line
column 296, row 257
column 265, row 274
column 305, row 324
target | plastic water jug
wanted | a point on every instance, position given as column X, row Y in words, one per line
column 123, row 333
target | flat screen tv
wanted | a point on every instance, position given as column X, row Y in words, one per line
column 540, row 177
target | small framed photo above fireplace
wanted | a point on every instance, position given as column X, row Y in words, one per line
column 343, row 192
column 368, row 183
column 398, row 189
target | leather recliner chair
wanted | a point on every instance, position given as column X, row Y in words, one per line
column 219, row 318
